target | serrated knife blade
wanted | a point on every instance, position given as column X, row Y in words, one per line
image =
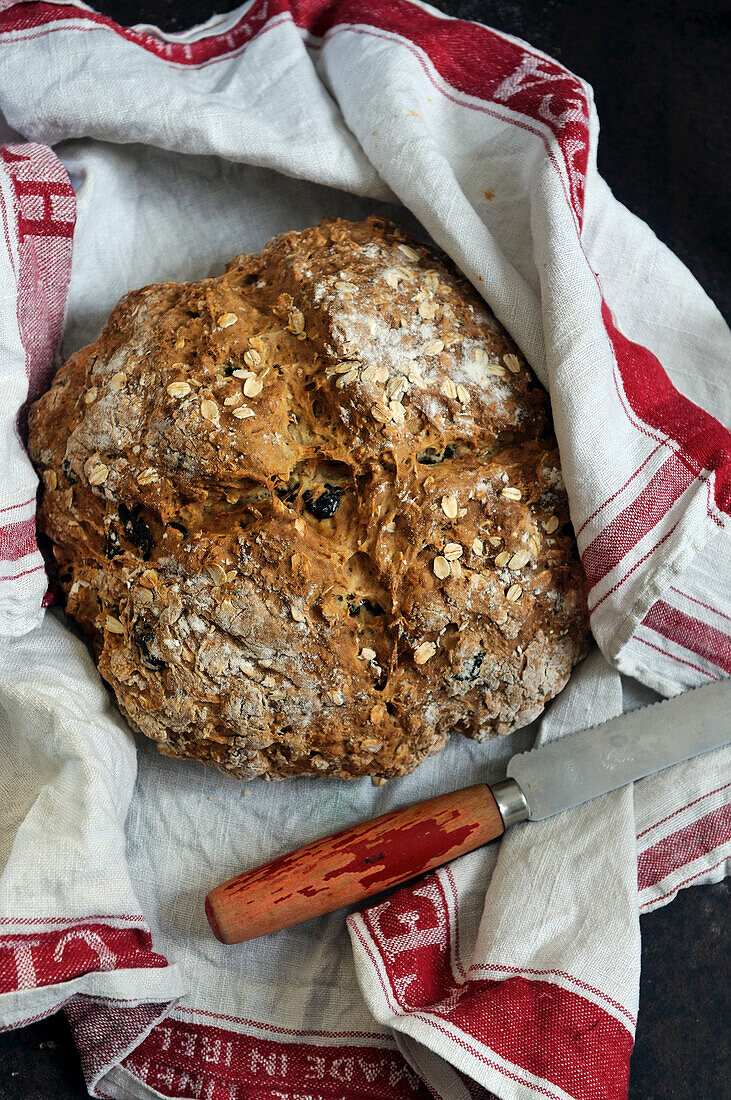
column 565, row 773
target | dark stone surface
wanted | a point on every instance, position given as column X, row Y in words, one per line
column 682, row 1050
column 659, row 73
column 40, row 1062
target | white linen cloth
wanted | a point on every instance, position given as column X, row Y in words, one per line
column 514, row 970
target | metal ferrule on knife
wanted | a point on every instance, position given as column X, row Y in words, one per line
column 511, row 802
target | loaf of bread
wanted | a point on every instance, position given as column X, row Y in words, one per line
column 310, row 512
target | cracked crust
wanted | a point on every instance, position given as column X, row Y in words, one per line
column 311, row 513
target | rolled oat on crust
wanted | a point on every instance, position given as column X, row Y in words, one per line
column 310, row 512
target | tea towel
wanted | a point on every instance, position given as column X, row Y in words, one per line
column 514, row 971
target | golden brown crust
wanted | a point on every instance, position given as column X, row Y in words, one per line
column 311, row 512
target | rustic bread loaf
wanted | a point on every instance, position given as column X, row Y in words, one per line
column 311, row 513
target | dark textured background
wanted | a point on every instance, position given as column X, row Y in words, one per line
column 659, row 69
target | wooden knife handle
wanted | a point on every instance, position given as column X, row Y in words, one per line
column 353, row 864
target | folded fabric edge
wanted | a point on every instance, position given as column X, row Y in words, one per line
column 658, row 540
column 106, row 1031
column 684, row 838
column 445, row 1081
column 21, row 1007
column 488, row 1028
column 663, row 893
column 668, row 639
column 469, row 1051
column 43, row 968
column 12, row 627
column 38, row 213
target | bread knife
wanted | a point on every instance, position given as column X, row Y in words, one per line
column 366, row 859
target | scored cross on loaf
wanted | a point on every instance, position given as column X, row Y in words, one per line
column 310, row 512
